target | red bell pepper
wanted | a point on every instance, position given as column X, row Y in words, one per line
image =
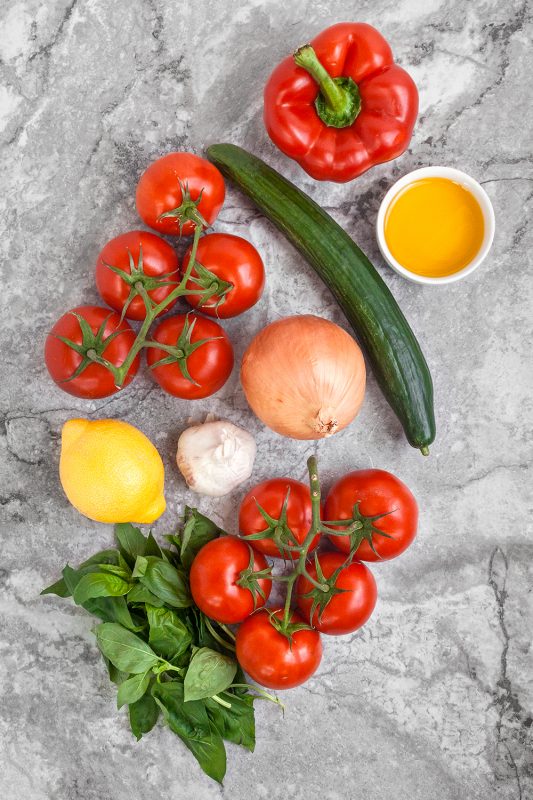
column 340, row 105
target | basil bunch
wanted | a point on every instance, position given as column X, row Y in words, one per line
column 161, row 651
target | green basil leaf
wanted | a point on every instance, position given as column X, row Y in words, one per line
column 143, row 715
column 113, row 609
column 99, row 584
column 235, row 724
column 102, row 557
column 197, row 531
column 115, row 675
column 169, row 556
column 122, row 572
column 108, row 609
column 71, row 577
column 152, row 548
column 131, row 541
column 209, row 673
column 139, row 569
column 175, row 539
column 165, row 581
column 169, row 636
column 124, row 564
column 132, row 689
column 124, row 649
column 60, row 587
column 191, row 723
column 140, row 594
column 240, row 677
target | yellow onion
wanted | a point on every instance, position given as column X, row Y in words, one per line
column 304, row 377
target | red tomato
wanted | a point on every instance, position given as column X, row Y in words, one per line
column 160, row 190
column 232, row 260
column 270, row 658
column 62, row 361
column 346, row 611
column 158, row 259
column 270, row 495
column 377, row 492
column 214, row 575
column 209, row 365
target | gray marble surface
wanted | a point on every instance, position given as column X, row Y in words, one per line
column 434, row 697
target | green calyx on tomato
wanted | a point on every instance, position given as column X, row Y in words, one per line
column 251, row 579
column 188, row 210
column 277, row 530
column 211, row 287
column 239, row 275
column 209, row 366
column 367, row 496
column 217, row 585
column 321, row 596
column 92, row 345
column 84, row 356
column 272, row 658
column 180, row 352
column 349, row 606
column 139, row 282
column 360, row 528
column 287, row 628
column 160, row 197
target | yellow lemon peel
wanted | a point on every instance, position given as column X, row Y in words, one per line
column 111, row 472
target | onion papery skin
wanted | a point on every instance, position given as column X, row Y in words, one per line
column 304, row 377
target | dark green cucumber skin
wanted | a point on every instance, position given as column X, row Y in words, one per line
column 390, row 344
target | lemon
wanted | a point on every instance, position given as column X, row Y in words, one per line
column 111, row 472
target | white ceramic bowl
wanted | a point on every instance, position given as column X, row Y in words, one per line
column 459, row 177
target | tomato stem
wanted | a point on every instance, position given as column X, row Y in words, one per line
column 152, row 310
column 300, row 567
column 216, row 636
column 323, row 587
column 219, row 700
column 261, row 693
column 227, row 630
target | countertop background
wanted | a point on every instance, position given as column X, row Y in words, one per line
column 434, row 697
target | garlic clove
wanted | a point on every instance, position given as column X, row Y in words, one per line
column 215, row 457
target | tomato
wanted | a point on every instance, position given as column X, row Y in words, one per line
column 346, row 611
column 270, row 658
column 234, row 261
column 159, row 262
column 95, row 380
column 214, row 575
column 271, row 496
column 159, row 192
column 376, row 492
column 208, row 363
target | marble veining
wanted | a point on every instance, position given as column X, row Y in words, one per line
column 433, row 698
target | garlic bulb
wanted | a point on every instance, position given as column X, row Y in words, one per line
column 215, row 457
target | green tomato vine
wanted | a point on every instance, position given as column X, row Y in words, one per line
column 323, row 590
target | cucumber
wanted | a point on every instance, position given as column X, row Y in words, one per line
column 383, row 331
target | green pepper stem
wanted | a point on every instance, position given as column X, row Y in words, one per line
column 339, row 101
column 306, row 58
